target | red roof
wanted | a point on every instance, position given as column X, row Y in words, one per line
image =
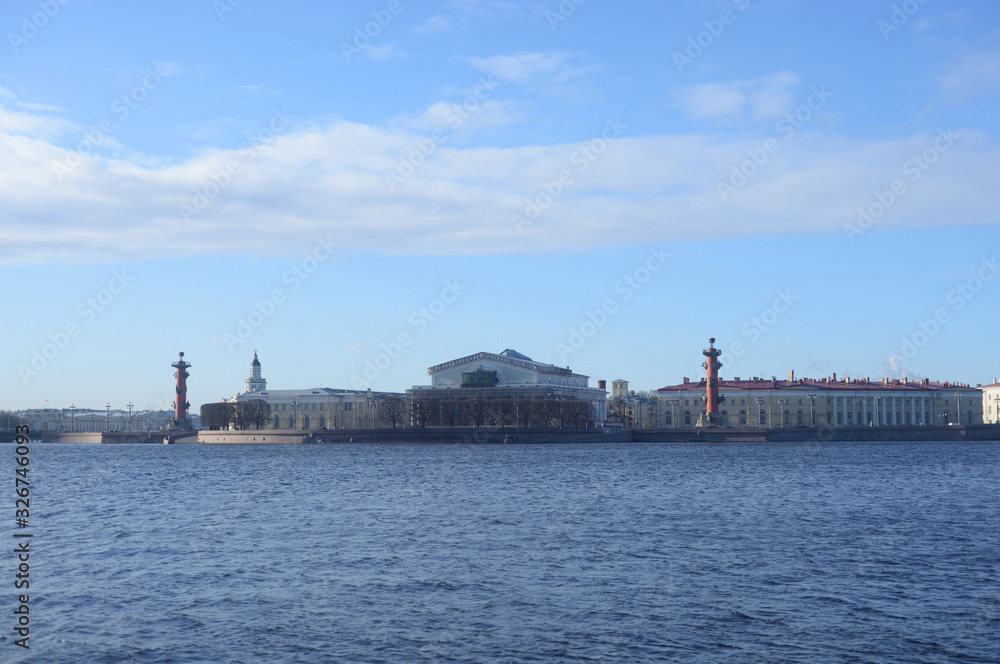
column 824, row 384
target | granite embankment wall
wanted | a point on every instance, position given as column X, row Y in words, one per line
column 982, row 432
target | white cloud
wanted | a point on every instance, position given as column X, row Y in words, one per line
column 252, row 90
column 487, row 8
column 764, row 98
column 435, row 24
column 523, row 68
column 386, row 52
column 474, row 113
column 549, row 71
column 976, row 73
column 331, row 181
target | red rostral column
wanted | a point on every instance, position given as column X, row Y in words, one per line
column 181, row 405
column 712, row 364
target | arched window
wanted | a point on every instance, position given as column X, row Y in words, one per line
column 277, row 421
column 668, row 419
column 786, row 418
column 322, row 421
column 800, row 418
column 763, row 418
column 743, row 418
column 305, row 422
column 291, row 421
column 687, row 417
column 725, row 416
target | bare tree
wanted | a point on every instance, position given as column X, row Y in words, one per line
column 474, row 411
column 617, row 409
column 524, row 412
column 501, row 411
column 10, row 421
column 391, row 411
column 449, row 411
column 216, row 416
column 256, row 412
column 576, row 413
column 549, row 410
column 423, row 411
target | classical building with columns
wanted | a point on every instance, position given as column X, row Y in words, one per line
column 832, row 401
column 316, row 407
column 991, row 403
column 508, row 375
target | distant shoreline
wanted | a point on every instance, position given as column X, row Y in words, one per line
column 465, row 435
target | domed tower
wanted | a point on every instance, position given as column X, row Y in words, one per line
column 254, row 383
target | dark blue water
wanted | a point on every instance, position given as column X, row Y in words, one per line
column 592, row 553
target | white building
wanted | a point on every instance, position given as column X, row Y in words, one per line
column 509, row 375
column 991, row 403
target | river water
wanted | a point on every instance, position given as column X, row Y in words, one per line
column 755, row 552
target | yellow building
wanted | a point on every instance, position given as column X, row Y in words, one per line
column 317, row 407
column 991, row 403
column 837, row 402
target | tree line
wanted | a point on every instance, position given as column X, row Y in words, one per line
column 252, row 413
column 523, row 413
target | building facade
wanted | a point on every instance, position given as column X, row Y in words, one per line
column 843, row 402
column 317, row 407
column 73, row 420
column 508, row 376
column 991, row 403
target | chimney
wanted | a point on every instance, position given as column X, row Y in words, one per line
column 602, row 385
column 834, row 378
column 791, row 375
column 686, row 380
column 906, row 380
column 736, row 378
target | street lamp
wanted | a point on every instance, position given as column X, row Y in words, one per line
column 129, row 415
column 72, row 416
column 760, row 408
column 782, row 403
column 958, row 407
column 295, row 413
column 107, row 420
column 877, row 402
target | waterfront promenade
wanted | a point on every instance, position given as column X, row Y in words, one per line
column 464, row 435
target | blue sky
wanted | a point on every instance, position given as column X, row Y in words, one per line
column 599, row 185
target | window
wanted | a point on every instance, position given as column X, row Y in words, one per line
column 687, row 417
column 305, row 422
column 743, row 418
column 277, row 421
column 800, row 402
column 800, row 418
column 322, row 421
column 291, row 421
column 668, row 419
column 786, row 418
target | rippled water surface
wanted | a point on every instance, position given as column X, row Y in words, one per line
column 445, row 553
